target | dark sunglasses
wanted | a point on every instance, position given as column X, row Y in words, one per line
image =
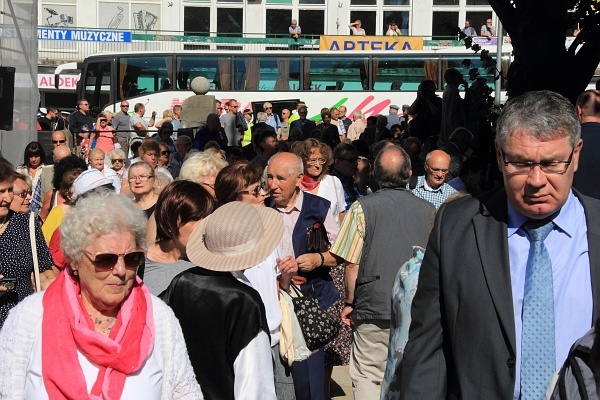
column 23, row 193
column 256, row 191
column 125, row 106
column 117, row 160
column 58, row 141
column 104, row 262
column 165, row 152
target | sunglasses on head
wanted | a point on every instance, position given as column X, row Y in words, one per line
column 107, row 261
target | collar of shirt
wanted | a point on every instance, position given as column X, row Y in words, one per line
column 564, row 219
column 296, row 207
column 422, row 183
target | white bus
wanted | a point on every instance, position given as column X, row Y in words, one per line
column 366, row 81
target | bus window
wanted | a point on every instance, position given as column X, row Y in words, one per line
column 267, row 73
column 217, row 69
column 335, row 73
column 457, row 63
column 97, row 83
column 398, row 73
column 145, row 74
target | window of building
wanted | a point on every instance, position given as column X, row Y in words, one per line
column 196, row 21
column 368, row 21
column 311, row 2
column 478, row 19
column 396, row 2
column 446, row 2
column 478, row 3
column 312, row 22
column 401, row 18
column 363, row 3
column 444, row 24
column 277, row 22
column 230, row 22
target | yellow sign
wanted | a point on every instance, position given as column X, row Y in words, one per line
column 370, row 43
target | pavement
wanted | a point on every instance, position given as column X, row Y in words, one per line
column 341, row 385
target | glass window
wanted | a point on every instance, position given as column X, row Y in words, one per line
column 335, row 73
column 368, row 21
column 278, row 22
column 196, row 21
column 401, row 19
column 363, row 3
column 312, row 22
column 458, row 63
column 478, row 3
column 217, row 69
column 139, row 75
column 97, row 83
column 267, row 73
column 230, row 1
column 230, row 22
column 311, row 2
column 396, row 2
column 445, row 24
column 402, row 73
column 279, row 2
column 478, row 19
column 446, row 2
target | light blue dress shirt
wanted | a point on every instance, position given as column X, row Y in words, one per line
column 567, row 245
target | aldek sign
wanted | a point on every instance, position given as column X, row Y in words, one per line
column 83, row 35
column 370, row 43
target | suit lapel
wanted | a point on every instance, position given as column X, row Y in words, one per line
column 492, row 243
column 592, row 215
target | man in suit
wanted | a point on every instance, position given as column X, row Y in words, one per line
column 473, row 333
column 588, row 111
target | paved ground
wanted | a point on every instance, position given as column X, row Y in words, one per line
column 341, row 385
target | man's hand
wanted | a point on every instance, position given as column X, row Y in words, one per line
column 308, row 261
column 347, row 315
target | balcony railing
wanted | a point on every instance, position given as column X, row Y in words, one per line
column 54, row 51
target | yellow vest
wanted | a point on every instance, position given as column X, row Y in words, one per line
column 248, row 135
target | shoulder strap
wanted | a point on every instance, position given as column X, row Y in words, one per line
column 36, row 266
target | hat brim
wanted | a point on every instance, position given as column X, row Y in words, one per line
column 201, row 256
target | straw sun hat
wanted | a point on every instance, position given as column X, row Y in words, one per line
column 235, row 237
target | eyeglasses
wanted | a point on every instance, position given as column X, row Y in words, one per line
column 314, row 161
column 437, row 170
column 268, row 108
column 257, row 190
column 104, row 262
column 125, row 105
column 142, row 178
column 23, row 193
column 58, row 141
column 234, row 106
column 85, row 104
column 165, row 152
column 525, row 167
column 117, row 160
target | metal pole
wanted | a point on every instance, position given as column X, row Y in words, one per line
column 498, row 83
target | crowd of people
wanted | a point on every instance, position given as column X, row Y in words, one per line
column 151, row 265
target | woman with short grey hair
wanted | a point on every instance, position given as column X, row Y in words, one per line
column 116, row 339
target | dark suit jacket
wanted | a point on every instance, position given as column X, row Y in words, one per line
column 462, row 341
column 586, row 178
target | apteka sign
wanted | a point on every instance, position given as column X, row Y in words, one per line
column 370, row 43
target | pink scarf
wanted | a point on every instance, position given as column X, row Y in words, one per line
column 307, row 184
column 66, row 328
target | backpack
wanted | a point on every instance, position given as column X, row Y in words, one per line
column 576, row 377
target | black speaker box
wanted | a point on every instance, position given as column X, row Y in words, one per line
column 7, row 97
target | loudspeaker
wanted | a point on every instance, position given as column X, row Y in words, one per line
column 7, row 97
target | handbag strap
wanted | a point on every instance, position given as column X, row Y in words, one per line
column 36, row 266
column 295, row 291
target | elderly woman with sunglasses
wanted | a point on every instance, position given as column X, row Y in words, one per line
column 117, row 160
column 116, row 339
column 16, row 256
column 21, row 192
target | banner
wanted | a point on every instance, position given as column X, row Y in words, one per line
column 370, row 43
column 83, row 35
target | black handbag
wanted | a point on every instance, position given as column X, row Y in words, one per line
column 318, row 327
column 316, row 238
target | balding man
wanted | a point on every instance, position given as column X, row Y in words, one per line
column 432, row 186
column 61, row 151
column 300, row 210
column 588, row 111
column 378, row 238
column 58, row 138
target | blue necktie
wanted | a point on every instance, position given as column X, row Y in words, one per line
column 538, row 360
